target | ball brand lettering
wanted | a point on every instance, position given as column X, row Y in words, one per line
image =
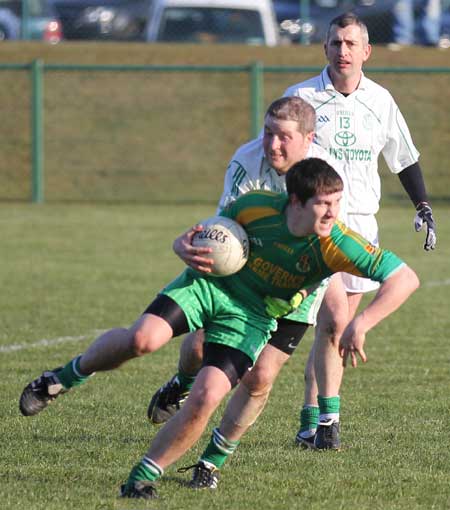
column 228, row 244
column 214, row 234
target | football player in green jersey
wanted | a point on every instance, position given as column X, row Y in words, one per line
column 282, row 230
column 260, row 164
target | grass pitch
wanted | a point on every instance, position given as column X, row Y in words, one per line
column 69, row 271
column 147, row 136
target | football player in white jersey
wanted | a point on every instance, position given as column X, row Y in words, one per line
column 357, row 119
column 250, row 169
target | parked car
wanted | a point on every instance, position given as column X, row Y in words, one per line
column 293, row 22
column 377, row 14
column 122, row 20
column 9, row 25
column 213, row 21
column 39, row 22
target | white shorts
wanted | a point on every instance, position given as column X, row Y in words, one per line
column 366, row 225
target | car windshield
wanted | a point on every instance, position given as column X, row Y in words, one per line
column 206, row 24
column 36, row 8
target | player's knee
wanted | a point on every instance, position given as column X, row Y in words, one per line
column 143, row 343
column 258, row 381
column 204, row 401
column 331, row 329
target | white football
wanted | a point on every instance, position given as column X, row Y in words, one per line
column 229, row 243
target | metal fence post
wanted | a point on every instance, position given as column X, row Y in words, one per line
column 25, row 20
column 37, row 137
column 256, row 98
column 305, row 17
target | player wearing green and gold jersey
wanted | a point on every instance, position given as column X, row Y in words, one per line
column 280, row 263
column 295, row 242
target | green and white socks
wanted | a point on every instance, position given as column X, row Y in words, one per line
column 329, row 409
column 311, row 416
column 145, row 470
column 185, row 381
column 218, row 449
column 70, row 375
column 214, row 456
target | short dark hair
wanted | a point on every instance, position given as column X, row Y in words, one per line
column 310, row 177
column 346, row 19
column 296, row 109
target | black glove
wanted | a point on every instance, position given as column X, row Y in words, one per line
column 424, row 214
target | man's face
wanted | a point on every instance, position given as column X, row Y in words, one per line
column 346, row 51
column 283, row 144
column 319, row 213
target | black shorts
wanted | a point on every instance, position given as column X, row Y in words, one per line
column 288, row 335
column 165, row 307
column 233, row 362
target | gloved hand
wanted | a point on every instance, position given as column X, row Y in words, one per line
column 424, row 214
column 277, row 307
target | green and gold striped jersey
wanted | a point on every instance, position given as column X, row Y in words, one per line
column 280, row 263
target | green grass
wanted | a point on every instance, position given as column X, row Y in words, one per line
column 69, row 271
column 147, row 136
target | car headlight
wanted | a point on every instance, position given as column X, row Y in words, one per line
column 295, row 27
column 101, row 15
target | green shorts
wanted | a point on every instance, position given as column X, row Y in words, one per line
column 225, row 319
column 307, row 311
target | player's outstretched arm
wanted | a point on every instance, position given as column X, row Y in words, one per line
column 192, row 255
column 392, row 293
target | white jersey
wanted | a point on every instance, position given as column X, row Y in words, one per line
column 249, row 170
column 355, row 129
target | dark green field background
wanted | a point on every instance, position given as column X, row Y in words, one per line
column 167, row 137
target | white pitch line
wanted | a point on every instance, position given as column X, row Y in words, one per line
column 64, row 339
column 45, row 342
column 439, row 283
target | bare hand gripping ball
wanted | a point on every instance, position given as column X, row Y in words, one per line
column 229, row 243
